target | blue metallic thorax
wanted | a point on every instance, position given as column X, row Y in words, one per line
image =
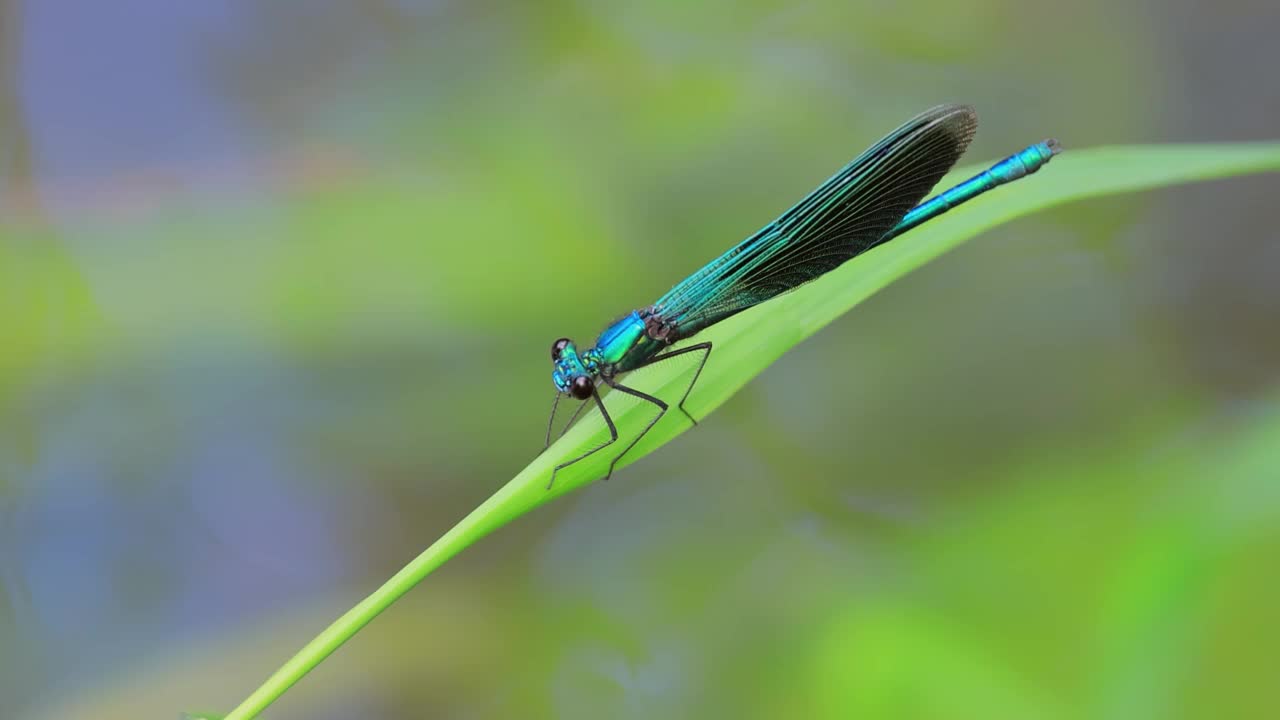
column 617, row 339
column 628, row 343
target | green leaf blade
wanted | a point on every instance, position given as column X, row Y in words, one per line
column 747, row 343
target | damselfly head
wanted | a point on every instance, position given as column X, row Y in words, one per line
column 571, row 375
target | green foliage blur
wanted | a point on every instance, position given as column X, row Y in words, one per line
column 1039, row 478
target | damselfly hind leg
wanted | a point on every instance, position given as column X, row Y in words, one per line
column 613, row 437
column 705, row 349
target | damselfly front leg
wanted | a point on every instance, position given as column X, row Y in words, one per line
column 613, row 437
column 551, row 420
column 662, row 410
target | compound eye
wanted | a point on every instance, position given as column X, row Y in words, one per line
column 581, row 387
column 558, row 347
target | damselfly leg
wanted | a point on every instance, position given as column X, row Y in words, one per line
column 662, row 410
column 551, row 421
column 613, row 431
column 705, row 349
column 613, row 437
column 572, row 419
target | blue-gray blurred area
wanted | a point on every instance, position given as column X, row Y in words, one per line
column 278, row 280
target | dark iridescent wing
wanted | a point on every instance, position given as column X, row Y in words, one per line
column 847, row 215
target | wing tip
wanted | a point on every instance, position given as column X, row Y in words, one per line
column 958, row 120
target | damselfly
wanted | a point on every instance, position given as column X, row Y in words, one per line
column 868, row 202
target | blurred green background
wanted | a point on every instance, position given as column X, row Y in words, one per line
column 278, row 281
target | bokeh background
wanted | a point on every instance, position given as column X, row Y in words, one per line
column 277, row 282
